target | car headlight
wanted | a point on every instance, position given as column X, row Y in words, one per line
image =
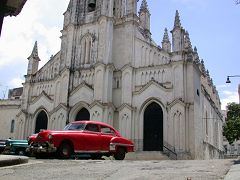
column 50, row 136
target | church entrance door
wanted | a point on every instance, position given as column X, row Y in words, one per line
column 153, row 128
column 83, row 114
column 41, row 121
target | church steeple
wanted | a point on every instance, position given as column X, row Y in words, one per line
column 166, row 45
column 33, row 60
column 144, row 16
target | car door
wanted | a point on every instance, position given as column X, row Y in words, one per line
column 92, row 138
column 107, row 134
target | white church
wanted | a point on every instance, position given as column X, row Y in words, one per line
column 110, row 69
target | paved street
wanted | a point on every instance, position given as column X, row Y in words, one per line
column 111, row 169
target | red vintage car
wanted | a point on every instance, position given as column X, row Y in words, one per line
column 87, row 137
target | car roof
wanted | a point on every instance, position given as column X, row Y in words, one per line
column 95, row 122
column 91, row 122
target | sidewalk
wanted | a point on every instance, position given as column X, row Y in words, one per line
column 234, row 172
column 9, row 160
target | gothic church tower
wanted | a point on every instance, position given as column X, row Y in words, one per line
column 87, row 50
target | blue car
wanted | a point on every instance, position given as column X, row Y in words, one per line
column 2, row 145
column 17, row 147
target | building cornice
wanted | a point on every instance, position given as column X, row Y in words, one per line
column 14, row 7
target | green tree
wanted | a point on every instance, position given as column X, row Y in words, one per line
column 237, row 1
column 231, row 130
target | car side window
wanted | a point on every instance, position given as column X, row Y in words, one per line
column 107, row 130
column 92, row 127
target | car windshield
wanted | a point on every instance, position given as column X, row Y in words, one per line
column 77, row 126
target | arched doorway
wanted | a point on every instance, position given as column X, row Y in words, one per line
column 41, row 121
column 83, row 114
column 153, row 128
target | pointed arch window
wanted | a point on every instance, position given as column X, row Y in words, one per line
column 118, row 83
column 12, row 126
column 86, row 48
column 206, row 123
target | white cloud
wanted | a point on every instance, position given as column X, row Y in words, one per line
column 222, row 86
column 16, row 82
column 17, row 34
column 227, row 94
column 50, row 41
column 228, row 97
column 36, row 22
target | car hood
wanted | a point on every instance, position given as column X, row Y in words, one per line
column 45, row 133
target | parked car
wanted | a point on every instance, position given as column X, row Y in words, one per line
column 84, row 137
column 17, row 147
column 2, row 145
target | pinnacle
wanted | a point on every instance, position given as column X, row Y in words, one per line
column 177, row 22
column 195, row 49
column 144, row 6
column 188, row 44
column 165, row 36
column 69, row 5
column 34, row 53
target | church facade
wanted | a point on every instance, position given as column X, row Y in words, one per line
column 109, row 69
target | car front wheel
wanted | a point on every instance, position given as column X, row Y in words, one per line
column 120, row 153
column 65, row 151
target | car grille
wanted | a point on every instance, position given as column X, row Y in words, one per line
column 38, row 144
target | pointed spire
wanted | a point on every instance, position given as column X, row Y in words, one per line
column 211, row 81
column 187, row 43
column 207, row 72
column 177, row 22
column 70, row 5
column 165, row 36
column 196, row 57
column 203, row 67
column 144, row 6
column 34, row 52
column 166, row 45
column 195, row 49
column 144, row 16
column 33, row 61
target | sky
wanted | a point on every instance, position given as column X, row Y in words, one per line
column 213, row 25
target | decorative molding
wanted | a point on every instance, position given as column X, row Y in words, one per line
column 82, row 85
column 153, row 82
column 176, row 101
column 60, row 106
column 42, row 95
column 125, row 105
column 102, row 105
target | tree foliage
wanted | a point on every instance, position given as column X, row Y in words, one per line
column 237, row 1
column 231, row 130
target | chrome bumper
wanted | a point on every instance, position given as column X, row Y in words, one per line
column 41, row 148
column 113, row 146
